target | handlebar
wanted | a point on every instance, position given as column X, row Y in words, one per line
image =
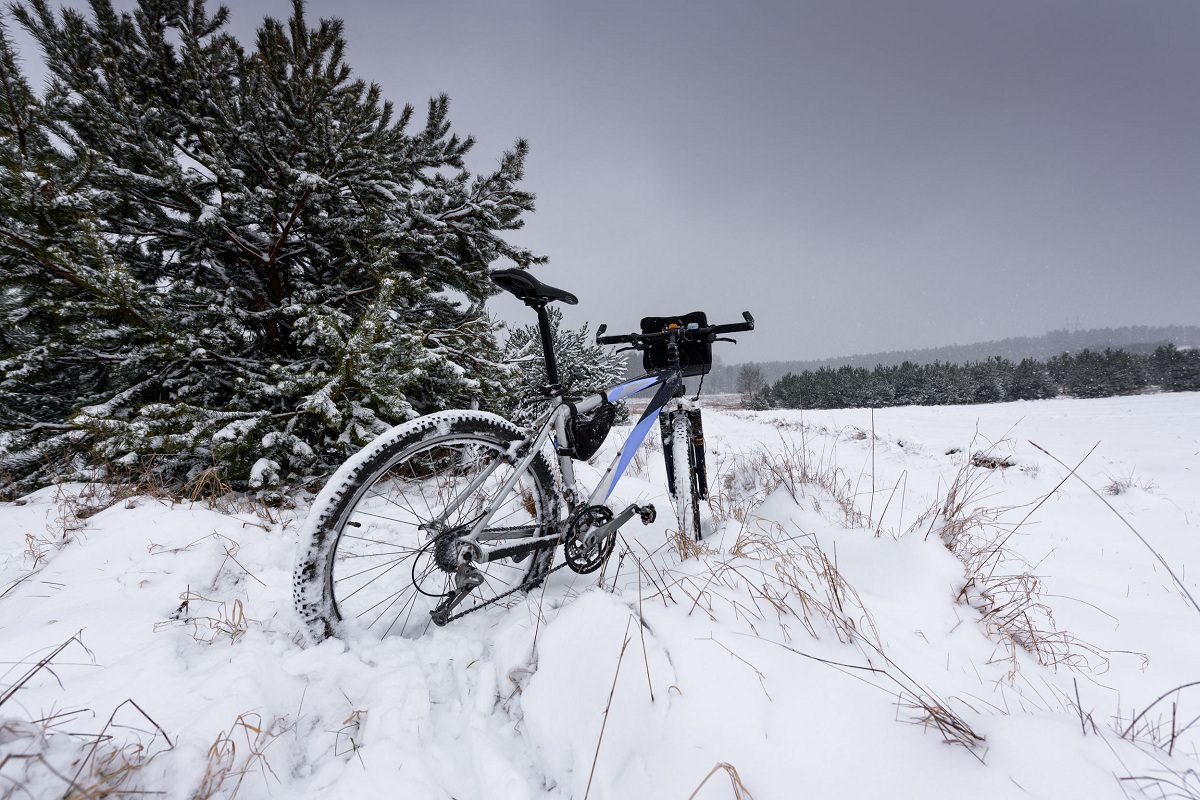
column 709, row 333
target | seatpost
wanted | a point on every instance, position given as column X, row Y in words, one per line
column 548, row 349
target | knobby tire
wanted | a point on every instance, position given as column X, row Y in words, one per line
column 687, row 498
column 367, row 562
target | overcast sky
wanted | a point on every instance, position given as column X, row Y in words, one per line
column 862, row 176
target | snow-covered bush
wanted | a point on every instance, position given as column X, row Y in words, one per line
column 213, row 257
column 583, row 366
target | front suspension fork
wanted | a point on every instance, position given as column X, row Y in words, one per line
column 697, row 449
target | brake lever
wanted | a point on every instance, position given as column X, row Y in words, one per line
column 725, row 339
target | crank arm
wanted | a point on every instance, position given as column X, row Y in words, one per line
column 646, row 513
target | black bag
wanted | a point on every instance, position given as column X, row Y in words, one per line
column 695, row 358
column 587, row 433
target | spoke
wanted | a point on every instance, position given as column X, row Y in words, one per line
column 385, row 563
column 388, row 499
column 388, row 564
column 377, row 554
column 374, row 541
column 360, row 513
column 407, row 614
column 390, row 600
column 394, row 597
column 392, row 566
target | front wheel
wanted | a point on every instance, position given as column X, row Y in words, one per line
column 380, row 547
column 687, row 496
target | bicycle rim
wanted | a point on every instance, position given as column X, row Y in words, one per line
column 395, row 553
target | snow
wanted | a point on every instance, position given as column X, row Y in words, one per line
column 804, row 648
column 264, row 472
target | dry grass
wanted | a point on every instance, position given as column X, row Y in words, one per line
column 1183, row 784
column 741, row 481
column 1184, row 592
column 1125, row 483
column 101, row 489
column 686, row 546
column 1163, row 724
column 208, row 620
column 112, row 763
column 110, row 768
column 86, row 766
column 237, row 753
column 774, row 576
column 348, row 737
column 1000, row 585
column 740, row 792
column 207, row 486
column 77, row 502
column 806, row 584
column 781, row 579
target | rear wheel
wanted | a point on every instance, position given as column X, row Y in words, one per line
column 381, row 549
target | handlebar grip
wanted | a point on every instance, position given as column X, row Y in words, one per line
column 748, row 325
column 602, row 339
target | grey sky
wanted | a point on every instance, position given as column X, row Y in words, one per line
column 862, row 176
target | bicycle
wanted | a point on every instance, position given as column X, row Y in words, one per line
column 454, row 511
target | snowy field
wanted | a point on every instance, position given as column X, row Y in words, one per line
column 871, row 616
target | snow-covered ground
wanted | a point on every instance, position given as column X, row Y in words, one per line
column 827, row 642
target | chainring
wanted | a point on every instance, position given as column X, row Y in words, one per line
column 579, row 557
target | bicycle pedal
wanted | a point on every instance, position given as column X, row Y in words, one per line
column 647, row 513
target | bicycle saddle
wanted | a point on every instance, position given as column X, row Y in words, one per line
column 528, row 289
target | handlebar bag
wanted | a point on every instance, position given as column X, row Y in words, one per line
column 695, row 358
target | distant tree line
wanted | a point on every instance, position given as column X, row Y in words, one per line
column 1141, row 339
column 1087, row 373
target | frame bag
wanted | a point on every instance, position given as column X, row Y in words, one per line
column 587, row 432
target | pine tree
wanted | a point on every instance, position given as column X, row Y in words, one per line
column 789, row 391
column 991, row 379
column 583, row 366
column 909, row 385
column 1031, row 381
column 1176, row 370
column 1125, row 373
column 248, row 260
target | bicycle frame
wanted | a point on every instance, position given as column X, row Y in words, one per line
column 669, row 384
column 449, row 499
column 553, row 423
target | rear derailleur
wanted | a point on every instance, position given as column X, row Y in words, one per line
column 466, row 579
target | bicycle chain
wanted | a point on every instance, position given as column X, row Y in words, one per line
column 513, row 590
column 498, row 597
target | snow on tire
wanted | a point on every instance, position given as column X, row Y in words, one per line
column 369, row 558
